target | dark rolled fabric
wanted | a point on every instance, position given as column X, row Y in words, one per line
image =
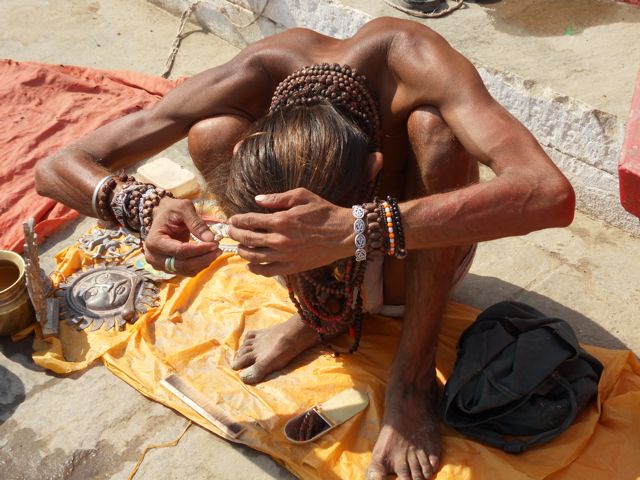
column 520, row 378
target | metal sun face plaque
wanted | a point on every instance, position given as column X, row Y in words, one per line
column 106, row 294
column 108, row 244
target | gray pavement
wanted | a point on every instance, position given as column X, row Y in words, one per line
column 93, row 425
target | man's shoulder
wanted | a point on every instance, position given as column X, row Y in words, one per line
column 381, row 30
column 397, row 29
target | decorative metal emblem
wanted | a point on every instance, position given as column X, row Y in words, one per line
column 106, row 244
column 358, row 211
column 38, row 283
column 106, row 294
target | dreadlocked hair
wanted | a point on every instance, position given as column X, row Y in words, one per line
column 320, row 129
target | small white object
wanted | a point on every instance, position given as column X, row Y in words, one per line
column 168, row 175
column 220, row 231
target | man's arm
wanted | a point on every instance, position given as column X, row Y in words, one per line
column 70, row 175
column 528, row 192
column 238, row 88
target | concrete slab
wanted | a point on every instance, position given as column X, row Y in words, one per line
column 92, row 425
column 117, row 34
column 585, row 274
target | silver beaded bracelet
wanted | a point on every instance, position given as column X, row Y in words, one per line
column 360, row 227
column 94, row 197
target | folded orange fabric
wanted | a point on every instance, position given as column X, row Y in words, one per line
column 43, row 108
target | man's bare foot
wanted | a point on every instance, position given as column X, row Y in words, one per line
column 270, row 349
column 409, row 442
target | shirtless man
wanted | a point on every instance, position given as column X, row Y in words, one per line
column 438, row 120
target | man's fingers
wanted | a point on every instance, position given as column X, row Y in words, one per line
column 165, row 245
column 192, row 266
column 253, row 221
column 284, row 200
column 259, row 255
column 196, row 225
column 253, row 239
column 268, row 269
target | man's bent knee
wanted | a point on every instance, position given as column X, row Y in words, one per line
column 212, row 140
column 425, row 124
column 439, row 162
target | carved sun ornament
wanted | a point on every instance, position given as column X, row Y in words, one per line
column 106, row 294
column 107, row 244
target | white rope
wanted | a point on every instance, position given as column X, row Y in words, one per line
column 184, row 18
column 168, row 65
column 257, row 17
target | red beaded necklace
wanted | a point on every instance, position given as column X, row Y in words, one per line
column 329, row 299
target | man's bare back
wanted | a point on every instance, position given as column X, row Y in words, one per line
column 437, row 120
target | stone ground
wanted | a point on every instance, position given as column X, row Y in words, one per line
column 92, row 425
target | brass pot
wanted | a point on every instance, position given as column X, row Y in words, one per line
column 16, row 311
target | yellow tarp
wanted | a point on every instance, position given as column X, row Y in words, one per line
column 199, row 326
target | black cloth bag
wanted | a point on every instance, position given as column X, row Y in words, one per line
column 520, row 378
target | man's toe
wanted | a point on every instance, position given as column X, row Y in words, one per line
column 417, row 471
column 402, row 470
column 252, row 375
column 434, row 460
column 376, row 471
column 244, row 358
column 425, row 465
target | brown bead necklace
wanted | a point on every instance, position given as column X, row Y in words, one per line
column 329, row 299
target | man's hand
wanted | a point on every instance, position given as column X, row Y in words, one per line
column 173, row 222
column 306, row 232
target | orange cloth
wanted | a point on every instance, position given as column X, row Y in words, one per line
column 43, row 108
column 198, row 328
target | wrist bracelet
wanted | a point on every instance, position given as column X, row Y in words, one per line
column 150, row 199
column 94, row 197
column 132, row 205
column 388, row 224
column 118, row 203
column 401, row 251
column 102, row 194
column 359, row 227
column 375, row 246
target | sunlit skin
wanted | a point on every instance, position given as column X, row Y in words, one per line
column 438, row 121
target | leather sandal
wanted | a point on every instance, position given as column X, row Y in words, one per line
column 419, row 5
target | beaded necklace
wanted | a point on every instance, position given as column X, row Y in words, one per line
column 328, row 299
